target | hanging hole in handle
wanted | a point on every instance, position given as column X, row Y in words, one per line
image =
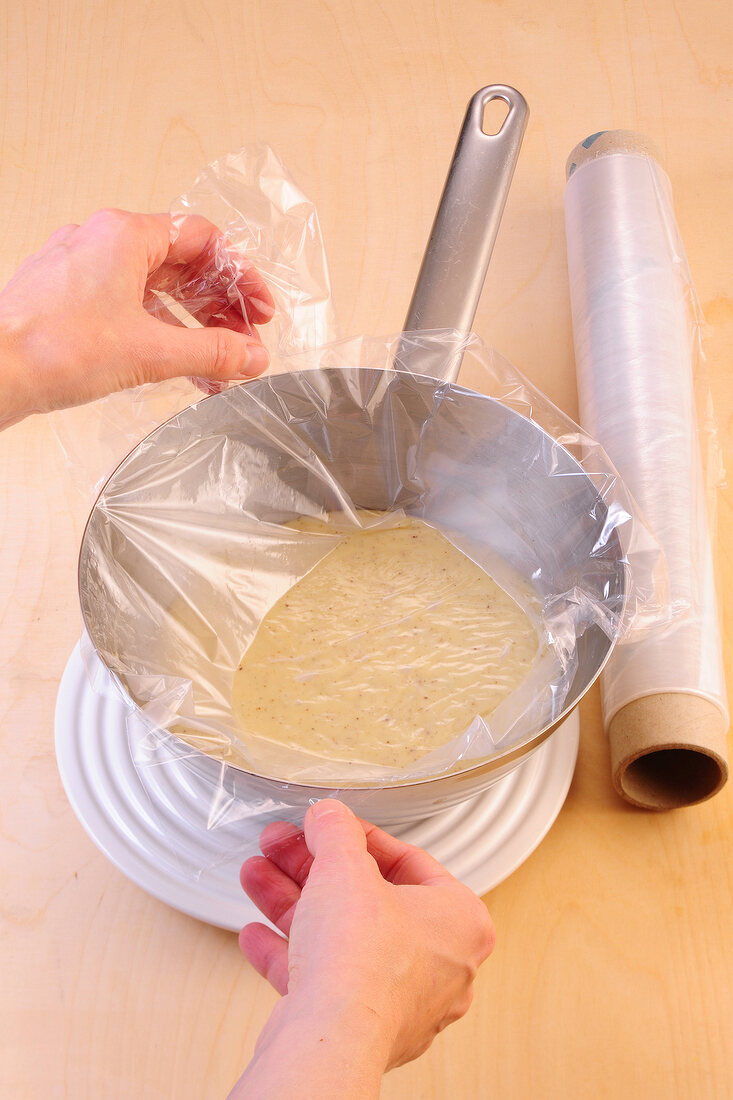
column 496, row 112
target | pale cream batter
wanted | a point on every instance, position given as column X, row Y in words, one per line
column 387, row 649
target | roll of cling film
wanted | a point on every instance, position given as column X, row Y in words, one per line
column 635, row 327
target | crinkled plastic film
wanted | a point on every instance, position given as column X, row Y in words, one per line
column 265, row 219
column 191, row 540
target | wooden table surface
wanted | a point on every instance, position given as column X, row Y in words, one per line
column 612, row 976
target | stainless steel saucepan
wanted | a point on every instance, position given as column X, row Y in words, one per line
column 397, row 438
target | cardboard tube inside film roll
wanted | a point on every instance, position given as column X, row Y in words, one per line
column 664, row 701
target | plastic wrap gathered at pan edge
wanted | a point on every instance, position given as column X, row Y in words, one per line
column 200, row 514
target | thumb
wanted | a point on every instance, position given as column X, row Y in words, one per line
column 170, row 351
column 331, row 829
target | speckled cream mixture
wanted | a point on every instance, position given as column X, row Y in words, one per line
column 387, row 649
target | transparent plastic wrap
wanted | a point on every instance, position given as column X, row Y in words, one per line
column 637, row 330
column 265, row 220
column 239, row 498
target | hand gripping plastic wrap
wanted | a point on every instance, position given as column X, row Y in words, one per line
column 346, row 578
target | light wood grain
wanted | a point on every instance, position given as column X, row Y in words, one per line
column 612, row 976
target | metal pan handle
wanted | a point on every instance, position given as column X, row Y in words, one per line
column 456, row 259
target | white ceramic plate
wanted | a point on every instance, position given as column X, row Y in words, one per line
column 152, row 822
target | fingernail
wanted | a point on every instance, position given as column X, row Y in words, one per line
column 327, row 806
column 264, row 307
column 257, row 360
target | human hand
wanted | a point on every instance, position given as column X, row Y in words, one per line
column 73, row 326
column 377, row 933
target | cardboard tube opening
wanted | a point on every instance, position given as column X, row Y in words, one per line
column 669, row 778
column 668, row 750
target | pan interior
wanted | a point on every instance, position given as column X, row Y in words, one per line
column 188, row 544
